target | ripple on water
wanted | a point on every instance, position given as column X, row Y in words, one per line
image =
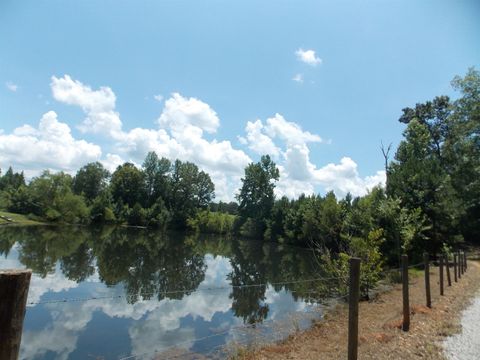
column 466, row 345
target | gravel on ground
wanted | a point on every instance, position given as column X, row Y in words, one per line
column 466, row 344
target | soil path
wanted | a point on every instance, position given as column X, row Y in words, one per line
column 380, row 321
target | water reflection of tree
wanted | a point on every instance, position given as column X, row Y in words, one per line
column 149, row 264
column 7, row 240
column 248, row 269
column 284, row 267
column 39, row 248
column 152, row 264
column 78, row 266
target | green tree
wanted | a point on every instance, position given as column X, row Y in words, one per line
column 11, row 180
column 463, row 151
column 101, row 210
column 158, row 215
column 90, row 181
column 190, row 190
column 156, row 172
column 127, row 185
column 418, row 178
column 51, row 197
column 256, row 197
column 137, row 215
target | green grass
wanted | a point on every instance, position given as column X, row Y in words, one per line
column 415, row 272
column 18, row 219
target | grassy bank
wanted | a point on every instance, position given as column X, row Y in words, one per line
column 8, row 218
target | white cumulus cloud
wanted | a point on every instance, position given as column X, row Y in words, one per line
column 180, row 113
column 185, row 130
column 259, row 137
column 308, row 57
column 297, row 172
column 258, row 141
column 344, row 178
column 183, row 123
column 99, row 105
column 49, row 146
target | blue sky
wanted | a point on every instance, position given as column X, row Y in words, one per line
column 317, row 83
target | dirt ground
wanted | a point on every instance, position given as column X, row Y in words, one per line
column 380, row 334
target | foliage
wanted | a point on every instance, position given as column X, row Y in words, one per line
column 431, row 199
column 90, row 181
column 210, row 222
column 156, row 172
column 368, row 250
column 127, row 186
column 190, row 189
column 11, row 180
column 101, row 209
column 256, row 197
column 137, row 215
column 437, row 166
column 158, row 215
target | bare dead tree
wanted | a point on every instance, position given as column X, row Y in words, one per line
column 386, row 154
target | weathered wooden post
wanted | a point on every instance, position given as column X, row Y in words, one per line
column 455, row 268
column 406, row 301
column 427, row 280
column 459, row 261
column 462, row 262
column 465, row 259
column 449, row 280
column 441, row 274
column 354, row 297
column 13, row 300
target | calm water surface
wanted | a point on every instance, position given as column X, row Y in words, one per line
column 143, row 294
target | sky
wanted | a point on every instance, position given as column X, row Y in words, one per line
column 318, row 85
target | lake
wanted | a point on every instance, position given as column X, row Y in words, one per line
column 126, row 293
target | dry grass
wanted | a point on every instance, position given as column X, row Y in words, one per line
column 380, row 324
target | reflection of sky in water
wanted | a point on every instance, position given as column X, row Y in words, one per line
column 112, row 328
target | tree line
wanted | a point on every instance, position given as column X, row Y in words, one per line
column 159, row 194
column 431, row 200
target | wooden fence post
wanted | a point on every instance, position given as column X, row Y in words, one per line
column 13, row 300
column 465, row 259
column 427, row 280
column 406, row 301
column 354, row 297
column 459, row 260
column 463, row 262
column 441, row 274
column 449, row 280
column 455, row 268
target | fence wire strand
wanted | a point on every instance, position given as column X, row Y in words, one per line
column 244, row 327
column 185, row 291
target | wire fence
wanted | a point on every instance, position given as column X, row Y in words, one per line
column 245, row 327
column 321, row 297
column 188, row 291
